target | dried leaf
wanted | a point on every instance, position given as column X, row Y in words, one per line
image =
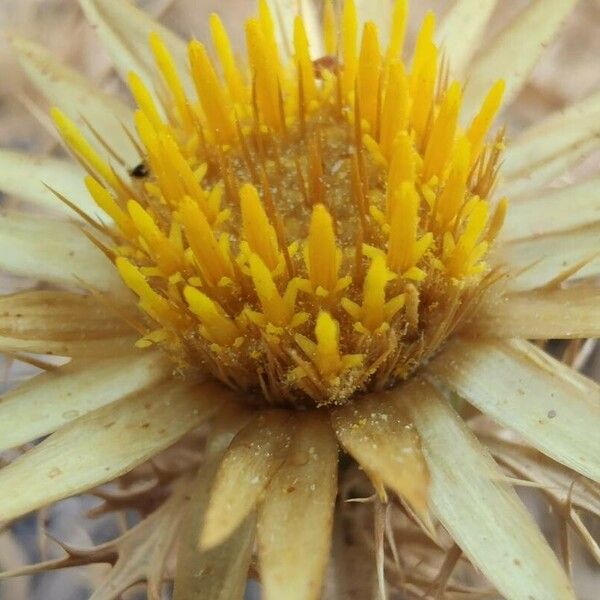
column 144, row 550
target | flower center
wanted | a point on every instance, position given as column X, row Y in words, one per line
column 302, row 229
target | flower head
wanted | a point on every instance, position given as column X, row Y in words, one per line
column 303, row 229
column 303, row 248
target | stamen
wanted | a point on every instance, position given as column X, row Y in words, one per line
column 330, row 28
column 213, row 97
column 233, row 76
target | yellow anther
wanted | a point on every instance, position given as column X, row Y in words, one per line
column 402, row 169
column 83, row 149
column 369, row 70
column 277, row 309
column 323, row 255
column 177, row 177
column 144, row 100
column 441, row 138
column 327, row 355
column 497, row 220
column 483, row 120
column 375, row 312
column 232, row 74
column 453, row 195
column 462, row 260
column 423, row 76
column 147, row 134
column 104, row 199
column 267, row 25
column 257, row 229
column 398, row 31
column 330, row 28
column 349, row 54
column 265, row 73
column 212, row 257
column 215, row 101
column 168, row 69
column 217, row 326
column 302, row 51
column 151, row 302
column 394, row 115
column 166, row 255
column 405, row 250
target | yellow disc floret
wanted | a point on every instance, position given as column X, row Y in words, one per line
column 303, row 227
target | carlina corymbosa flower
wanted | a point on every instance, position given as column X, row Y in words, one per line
column 303, row 250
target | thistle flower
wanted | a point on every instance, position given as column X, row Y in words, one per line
column 303, row 249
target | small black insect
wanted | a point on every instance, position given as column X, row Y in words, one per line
column 140, row 171
column 325, row 63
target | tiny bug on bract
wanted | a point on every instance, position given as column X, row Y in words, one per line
column 140, row 171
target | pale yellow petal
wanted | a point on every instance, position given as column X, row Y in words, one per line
column 296, row 517
column 219, row 573
column 556, row 134
column 547, row 172
column 118, row 345
column 56, row 252
column 49, row 401
column 482, row 513
column 515, row 51
column 520, row 386
column 539, row 260
column 104, row 444
column 27, row 176
column 380, row 436
column 461, row 32
column 247, row 468
column 541, row 314
column 63, row 324
column 78, row 97
column 557, row 480
column 124, row 30
column 284, row 13
column 553, row 210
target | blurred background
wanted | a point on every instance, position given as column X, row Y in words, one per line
column 568, row 72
